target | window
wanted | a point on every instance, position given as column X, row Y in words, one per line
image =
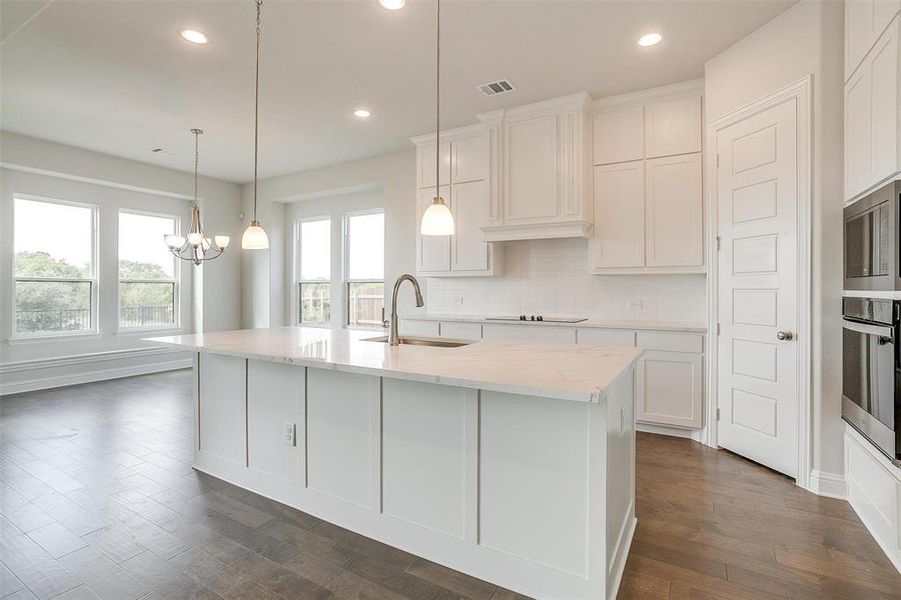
column 148, row 282
column 365, row 269
column 314, row 286
column 55, row 267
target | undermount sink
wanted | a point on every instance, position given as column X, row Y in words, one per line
column 411, row 341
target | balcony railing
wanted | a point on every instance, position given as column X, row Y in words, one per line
column 79, row 319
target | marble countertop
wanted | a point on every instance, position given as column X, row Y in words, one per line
column 564, row 371
column 691, row 327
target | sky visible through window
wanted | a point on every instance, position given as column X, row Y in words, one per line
column 141, row 240
column 366, row 254
column 315, row 250
column 61, row 230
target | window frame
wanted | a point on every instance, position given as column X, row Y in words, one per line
column 93, row 280
column 345, row 261
column 299, row 281
column 176, row 278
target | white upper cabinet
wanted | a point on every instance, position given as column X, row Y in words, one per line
column 673, row 206
column 469, row 205
column 873, row 112
column 469, row 158
column 865, row 20
column 618, row 135
column 672, row 127
column 648, row 192
column 425, row 164
column 618, row 239
column 541, row 159
column 465, row 188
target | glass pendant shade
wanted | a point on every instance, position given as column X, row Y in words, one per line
column 222, row 241
column 437, row 219
column 195, row 238
column 174, row 241
column 255, row 237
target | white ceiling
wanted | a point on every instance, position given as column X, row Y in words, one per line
column 114, row 76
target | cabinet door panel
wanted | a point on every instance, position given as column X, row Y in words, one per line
column 673, row 127
column 469, row 159
column 669, row 388
column 618, row 239
column 858, row 32
column 883, row 12
column 674, row 205
column 425, row 165
column 531, row 191
column 432, row 252
column 469, row 205
column 858, row 134
column 619, row 135
column 529, row 333
column 885, row 67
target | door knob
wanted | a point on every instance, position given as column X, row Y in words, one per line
column 785, row 335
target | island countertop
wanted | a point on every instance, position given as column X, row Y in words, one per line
column 579, row 373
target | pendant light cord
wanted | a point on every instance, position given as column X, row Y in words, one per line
column 196, row 133
column 256, row 115
column 438, row 101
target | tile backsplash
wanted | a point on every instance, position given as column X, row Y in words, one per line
column 550, row 277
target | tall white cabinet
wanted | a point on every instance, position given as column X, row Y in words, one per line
column 463, row 165
column 872, row 94
column 648, row 194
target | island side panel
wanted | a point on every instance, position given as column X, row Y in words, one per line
column 221, row 409
column 275, row 409
column 620, row 481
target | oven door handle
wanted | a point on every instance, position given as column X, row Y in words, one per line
column 882, row 331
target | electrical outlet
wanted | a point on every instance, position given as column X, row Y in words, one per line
column 635, row 303
column 290, row 434
column 458, row 300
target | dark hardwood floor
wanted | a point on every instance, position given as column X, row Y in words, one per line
column 98, row 499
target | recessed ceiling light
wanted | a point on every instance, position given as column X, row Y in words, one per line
column 362, row 113
column 650, row 39
column 194, row 36
column 392, row 4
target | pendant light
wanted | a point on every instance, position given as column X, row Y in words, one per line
column 437, row 218
column 195, row 246
column 255, row 237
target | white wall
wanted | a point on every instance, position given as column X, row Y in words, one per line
column 211, row 296
column 807, row 39
column 265, row 271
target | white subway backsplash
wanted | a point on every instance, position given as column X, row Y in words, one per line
column 550, row 277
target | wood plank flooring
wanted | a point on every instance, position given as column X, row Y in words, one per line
column 98, row 500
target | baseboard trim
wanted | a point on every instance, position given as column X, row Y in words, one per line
column 831, row 485
column 88, row 376
column 664, row 430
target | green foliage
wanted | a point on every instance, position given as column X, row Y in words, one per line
column 130, row 269
column 41, row 264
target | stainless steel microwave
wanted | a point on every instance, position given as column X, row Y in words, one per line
column 872, row 241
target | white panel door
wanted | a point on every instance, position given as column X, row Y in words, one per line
column 618, row 238
column 618, row 135
column 757, row 200
column 433, row 252
column 674, row 205
column 469, row 205
column 531, row 191
column 672, row 127
column 425, row 163
column 469, row 159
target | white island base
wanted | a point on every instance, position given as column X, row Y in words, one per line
column 531, row 493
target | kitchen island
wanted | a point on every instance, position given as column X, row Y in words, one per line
column 513, row 462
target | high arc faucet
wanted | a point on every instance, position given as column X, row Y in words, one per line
column 393, row 336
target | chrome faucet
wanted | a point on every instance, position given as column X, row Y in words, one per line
column 393, row 337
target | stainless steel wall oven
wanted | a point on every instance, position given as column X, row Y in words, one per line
column 871, row 241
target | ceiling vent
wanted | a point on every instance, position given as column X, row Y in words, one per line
column 496, row 88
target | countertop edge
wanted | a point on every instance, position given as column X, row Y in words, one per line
column 595, row 396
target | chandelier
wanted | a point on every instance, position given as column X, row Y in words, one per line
column 195, row 246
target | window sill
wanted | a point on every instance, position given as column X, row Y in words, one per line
column 316, row 325
column 51, row 337
column 143, row 331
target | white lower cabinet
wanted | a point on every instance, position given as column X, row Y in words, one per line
column 529, row 333
column 461, row 331
column 670, row 388
column 418, row 328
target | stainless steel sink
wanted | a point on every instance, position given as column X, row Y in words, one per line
column 411, row 341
